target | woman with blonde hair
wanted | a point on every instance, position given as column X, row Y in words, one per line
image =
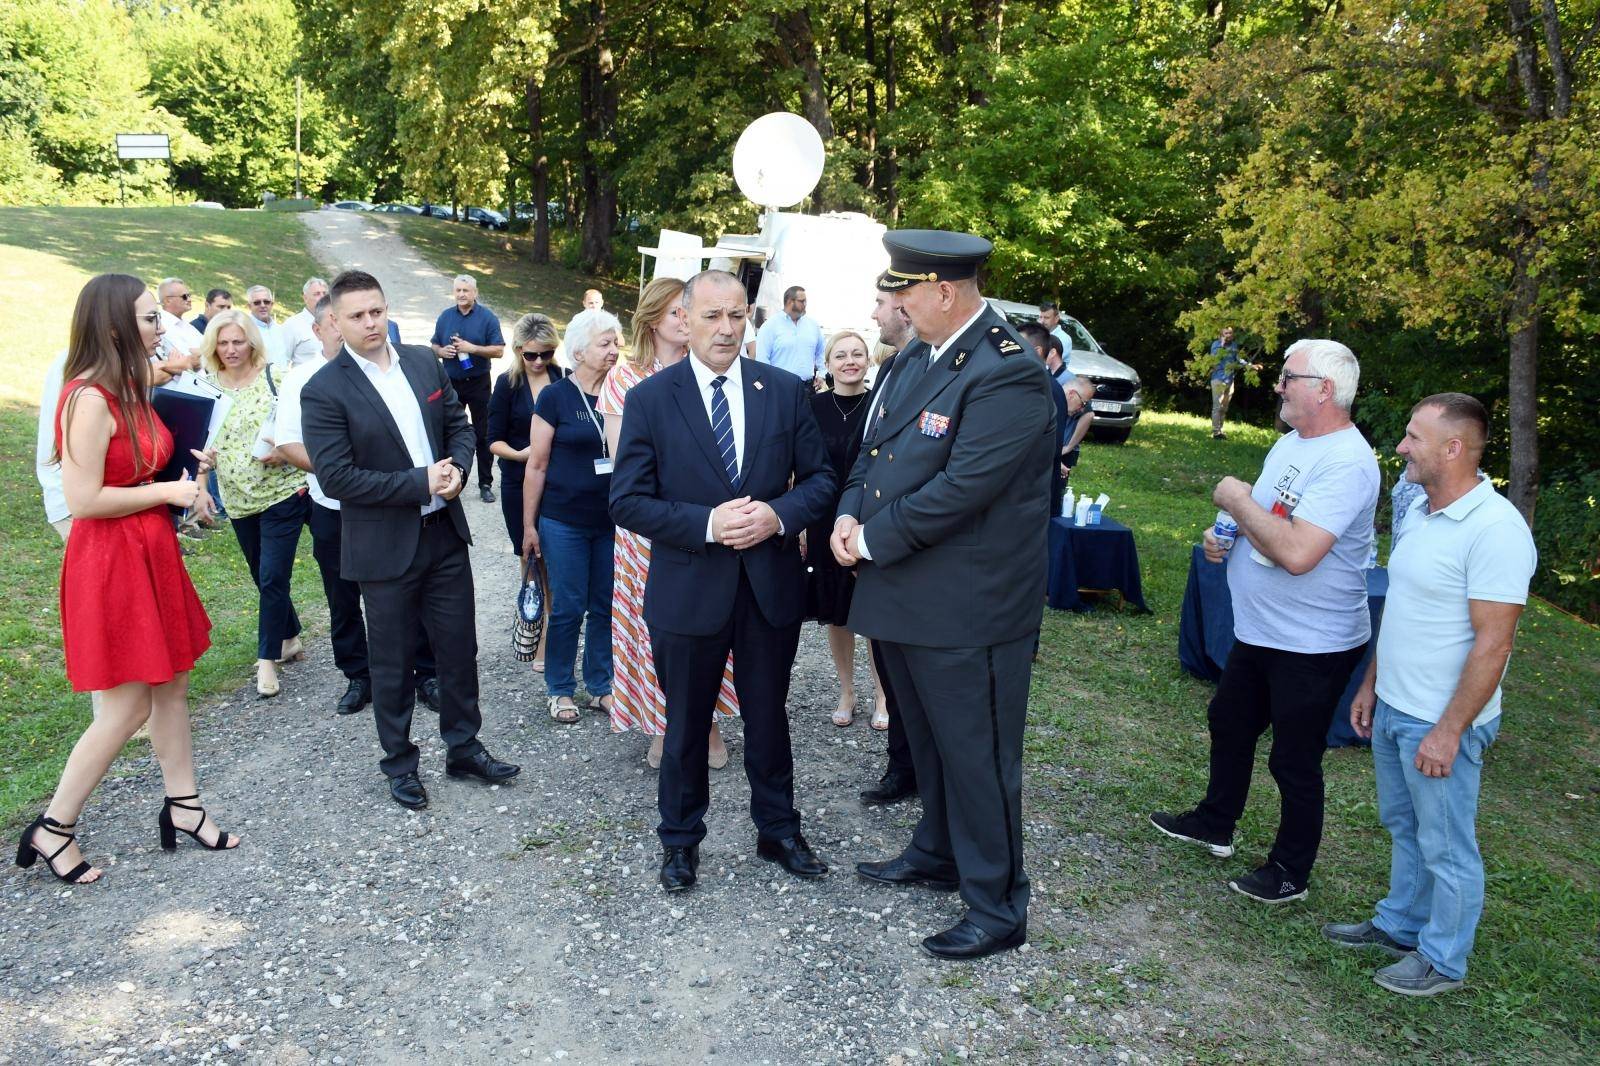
column 660, row 338
column 267, row 499
column 841, row 414
column 132, row 627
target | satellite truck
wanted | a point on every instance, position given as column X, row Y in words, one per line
column 836, row 257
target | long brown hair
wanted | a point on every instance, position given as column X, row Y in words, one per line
column 655, row 300
column 105, row 349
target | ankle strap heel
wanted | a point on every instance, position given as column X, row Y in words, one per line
column 170, row 830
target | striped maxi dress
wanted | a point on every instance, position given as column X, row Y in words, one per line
column 636, row 698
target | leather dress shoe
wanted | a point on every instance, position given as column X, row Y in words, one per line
column 407, row 791
column 357, row 696
column 483, row 766
column 891, row 788
column 793, row 854
column 428, row 693
column 679, row 867
column 897, row 871
column 964, row 940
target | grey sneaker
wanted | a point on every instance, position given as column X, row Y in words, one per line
column 1366, row 935
column 1415, row 976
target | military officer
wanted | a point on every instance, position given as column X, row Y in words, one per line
column 944, row 516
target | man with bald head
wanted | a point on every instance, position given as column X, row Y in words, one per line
column 1432, row 706
column 181, row 342
column 722, row 466
column 466, row 337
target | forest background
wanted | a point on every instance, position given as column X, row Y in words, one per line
column 1420, row 180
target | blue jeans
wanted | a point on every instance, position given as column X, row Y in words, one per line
column 579, row 561
column 1435, row 872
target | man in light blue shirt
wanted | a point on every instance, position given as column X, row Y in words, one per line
column 791, row 340
column 1431, row 697
column 1050, row 319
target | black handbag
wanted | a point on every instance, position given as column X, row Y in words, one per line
column 533, row 599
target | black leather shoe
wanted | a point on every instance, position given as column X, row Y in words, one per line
column 407, row 791
column 428, row 693
column 357, row 696
column 679, row 867
column 483, row 766
column 897, row 871
column 486, row 494
column 964, row 940
column 793, row 854
column 892, row 788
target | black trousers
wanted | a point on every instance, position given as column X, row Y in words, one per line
column 1296, row 694
column 690, row 671
column 511, row 475
column 900, row 763
column 964, row 712
column 268, row 541
column 474, row 395
column 344, row 604
column 434, row 594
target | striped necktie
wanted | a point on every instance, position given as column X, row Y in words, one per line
column 722, row 429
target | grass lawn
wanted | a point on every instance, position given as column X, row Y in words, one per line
column 46, row 255
column 1118, row 730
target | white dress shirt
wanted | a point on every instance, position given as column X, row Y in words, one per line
column 300, row 345
column 733, row 391
column 933, row 358
column 48, row 473
column 179, row 335
column 272, row 337
column 288, row 431
column 395, row 390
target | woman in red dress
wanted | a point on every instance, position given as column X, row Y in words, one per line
column 132, row 626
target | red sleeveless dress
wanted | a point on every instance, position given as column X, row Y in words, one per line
column 128, row 609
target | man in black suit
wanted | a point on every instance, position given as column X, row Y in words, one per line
column 388, row 439
column 704, row 469
column 944, row 516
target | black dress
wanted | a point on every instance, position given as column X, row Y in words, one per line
column 828, row 586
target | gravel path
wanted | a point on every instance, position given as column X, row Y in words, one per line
column 525, row 921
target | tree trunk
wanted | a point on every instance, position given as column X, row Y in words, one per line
column 871, row 165
column 798, row 46
column 1524, row 325
column 598, row 103
column 891, row 160
column 533, row 99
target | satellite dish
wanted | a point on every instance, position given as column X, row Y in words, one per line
column 778, row 160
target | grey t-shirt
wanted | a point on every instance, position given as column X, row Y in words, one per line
column 1332, row 482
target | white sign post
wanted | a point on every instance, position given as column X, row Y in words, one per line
column 144, row 146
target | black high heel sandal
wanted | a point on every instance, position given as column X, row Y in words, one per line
column 27, row 852
column 169, row 831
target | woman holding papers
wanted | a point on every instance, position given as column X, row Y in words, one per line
column 132, row 626
column 267, row 499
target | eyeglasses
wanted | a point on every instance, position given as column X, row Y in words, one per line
column 149, row 317
column 261, row 303
column 543, row 353
column 1286, row 377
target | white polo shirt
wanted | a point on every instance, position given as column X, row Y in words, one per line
column 1478, row 548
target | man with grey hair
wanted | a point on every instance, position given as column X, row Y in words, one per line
column 260, row 300
column 466, row 336
column 180, row 344
column 300, row 343
column 1297, row 575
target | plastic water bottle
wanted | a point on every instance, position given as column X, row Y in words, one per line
column 1068, row 502
column 462, row 358
column 1372, row 557
column 1226, row 530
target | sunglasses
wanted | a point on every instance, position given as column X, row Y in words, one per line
column 262, row 303
column 543, row 353
column 182, row 295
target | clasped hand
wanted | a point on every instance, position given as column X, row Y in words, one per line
column 843, row 541
column 743, row 523
column 444, row 479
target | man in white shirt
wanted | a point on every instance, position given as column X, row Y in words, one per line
column 793, row 340
column 260, row 300
column 1297, row 577
column 180, row 344
column 300, row 342
column 1430, row 700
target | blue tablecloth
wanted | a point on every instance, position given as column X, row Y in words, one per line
column 1099, row 557
column 1205, row 633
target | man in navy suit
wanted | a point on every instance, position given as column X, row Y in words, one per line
column 708, row 451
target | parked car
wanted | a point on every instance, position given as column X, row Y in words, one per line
column 398, row 209
column 553, row 210
column 435, row 211
column 1118, row 400
column 487, row 218
column 352, row 205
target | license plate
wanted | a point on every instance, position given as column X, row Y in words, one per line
column 1108, row 406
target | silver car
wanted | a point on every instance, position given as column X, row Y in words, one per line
column 1118, row 400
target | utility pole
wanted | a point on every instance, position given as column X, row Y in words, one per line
column 297, row 136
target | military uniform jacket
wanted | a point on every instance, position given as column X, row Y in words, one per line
column 952, row 487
